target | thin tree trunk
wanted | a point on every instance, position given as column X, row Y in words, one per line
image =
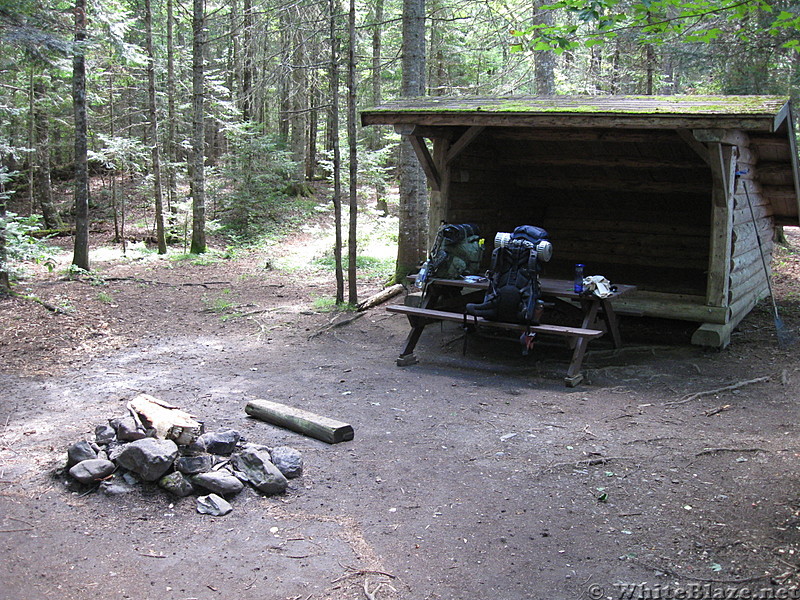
column 172, row 155
column 80, row 257
column 352, row 296
column 198, row 245
column 5, row 284
column 154, row 153
column 42, row 184
column 333, row 136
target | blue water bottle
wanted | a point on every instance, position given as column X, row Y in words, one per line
column 578, row 286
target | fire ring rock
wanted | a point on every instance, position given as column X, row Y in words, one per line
column 213, row 505
column 92, row 470
column 149, row 458
column 80, row 451
column 260, row 471
column 288, row 460
column 219, row 482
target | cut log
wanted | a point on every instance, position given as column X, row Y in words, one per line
column 381, row 296
column 299, row 420
column 169, row 422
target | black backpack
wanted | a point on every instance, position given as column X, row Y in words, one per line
column 514, row 291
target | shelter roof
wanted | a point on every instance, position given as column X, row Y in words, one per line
column 766, row 119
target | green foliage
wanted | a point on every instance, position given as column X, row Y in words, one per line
column 597, row 22
column 367, row 266
column 21, row 246
column 328, row 304
column 256, row 172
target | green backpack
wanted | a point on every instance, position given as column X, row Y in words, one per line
column 457, row 251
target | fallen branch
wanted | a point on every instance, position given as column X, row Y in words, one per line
column 51, row 307
column 726, row 388
column 381, row 296
column 737, row 450
column 373, row 594
column 150, row 282
column 333, row 324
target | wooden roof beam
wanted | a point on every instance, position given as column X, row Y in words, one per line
column 417, row 141
column 426, row 160
column 461, row 143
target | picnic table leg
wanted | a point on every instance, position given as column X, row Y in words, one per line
column 574, row 375
column 610, row 317
column 407, row 357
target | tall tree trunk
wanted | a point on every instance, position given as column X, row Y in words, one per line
column 412, row 235
column 152, row 109
column 353, row 143
column 544, row 61
column 247, row 71
column 42, row 184
column 333, row 136
column 80, row 257
column 298, row 95
column 198, row 245
column 172, row 128
column 375, row 134
column 5, row 284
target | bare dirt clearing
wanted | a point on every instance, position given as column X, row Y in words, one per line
column 469, row 477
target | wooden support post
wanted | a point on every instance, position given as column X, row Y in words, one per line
column 723, row 167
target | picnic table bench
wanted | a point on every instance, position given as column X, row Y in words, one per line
column 598, row 317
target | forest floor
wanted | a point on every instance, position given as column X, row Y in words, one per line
column 470, row 477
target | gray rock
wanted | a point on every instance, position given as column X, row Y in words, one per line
column 127, row 429
column 213, row 505
column 92, row 470
column 260, row 472
column 219, row 482
column 113, row 450
column 218, row 442
column 148, row 458
column 116, row 486
column 191, row 465
column 78, row 452
column 288, row 460
column 104, row 434
column 177, row 484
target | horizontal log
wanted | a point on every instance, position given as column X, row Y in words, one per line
column 381, row 297
column 628, row 226
column 589, row 184
column 756, row 282
column 593, row 255
column 671, row 306
column 746, row 272
column 743, row 215
column 302, row 421
column 743, row 305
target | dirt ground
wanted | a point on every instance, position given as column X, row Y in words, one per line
column 477, row 476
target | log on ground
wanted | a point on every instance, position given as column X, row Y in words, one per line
column 299, row 420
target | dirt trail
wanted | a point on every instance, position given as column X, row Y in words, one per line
column 476, row 476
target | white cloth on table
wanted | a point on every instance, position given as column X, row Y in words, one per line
column 597, row 285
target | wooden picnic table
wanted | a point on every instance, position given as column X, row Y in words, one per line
column 596, row 315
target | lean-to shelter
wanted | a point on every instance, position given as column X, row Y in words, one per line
column 646, row 190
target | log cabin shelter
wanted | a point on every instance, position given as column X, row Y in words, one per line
column 653, row 191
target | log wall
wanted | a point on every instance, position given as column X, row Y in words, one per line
column 748, row 279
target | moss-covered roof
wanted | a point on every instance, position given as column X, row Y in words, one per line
column 440, row 110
